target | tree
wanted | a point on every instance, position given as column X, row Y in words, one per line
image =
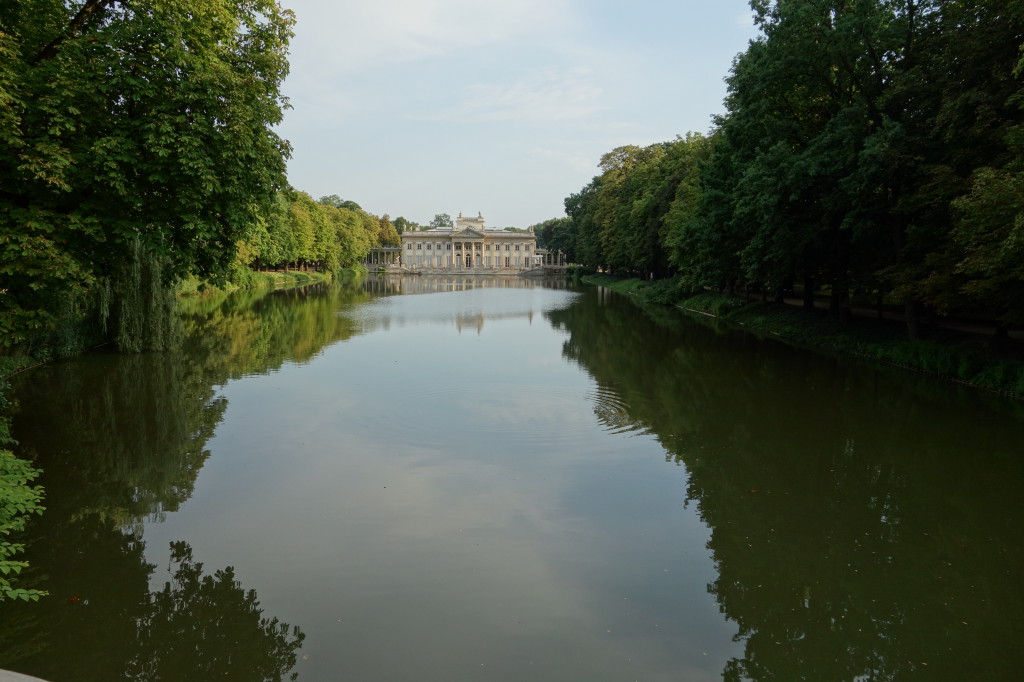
column 442, row 220
column 18, row 499
column 580, row 207
column 386, row 234
column 128, row 130
column 557, row 234
column 334, row 201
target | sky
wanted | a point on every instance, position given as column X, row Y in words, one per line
column 418, row 107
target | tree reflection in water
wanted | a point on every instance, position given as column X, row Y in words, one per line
column 206, row 627
column 863, row 525
column 121, row 439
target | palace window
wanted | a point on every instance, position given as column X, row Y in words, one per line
column 409, row 246
column 479, row 246
column 428, row 246
column 448, row 246
column 527, row 247
column 419, row 247
column 517, row 247
column 507, row 249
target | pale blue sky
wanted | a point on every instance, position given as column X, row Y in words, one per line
column 418, row 107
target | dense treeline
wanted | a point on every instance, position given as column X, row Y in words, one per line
column 137, row 149
column 299, row 232
column 872, row 150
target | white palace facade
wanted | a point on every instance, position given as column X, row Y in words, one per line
column 471, row 246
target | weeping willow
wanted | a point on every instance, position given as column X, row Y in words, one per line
column 136, row 304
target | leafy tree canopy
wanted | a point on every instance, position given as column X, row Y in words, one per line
column 132, row 126
column 442, row 220
column 334, row 201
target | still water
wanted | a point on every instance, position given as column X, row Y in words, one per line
column 496, row 479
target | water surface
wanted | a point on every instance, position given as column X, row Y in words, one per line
column 498, row 479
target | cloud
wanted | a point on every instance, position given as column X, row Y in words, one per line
column 544, row 97
column 347, row 36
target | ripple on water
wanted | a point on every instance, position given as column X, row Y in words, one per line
column 613, row 412
column 517, row 414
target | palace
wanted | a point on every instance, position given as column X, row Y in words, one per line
column 471, row 246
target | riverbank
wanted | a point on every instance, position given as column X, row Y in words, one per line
column 957, row 354
column 80, row 335
column 255, row 279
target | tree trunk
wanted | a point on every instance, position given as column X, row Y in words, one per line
column 911, row 315
column 808, row 292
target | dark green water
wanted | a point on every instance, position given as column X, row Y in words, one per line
column 459, row 479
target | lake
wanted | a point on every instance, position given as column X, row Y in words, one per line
column 459, row 478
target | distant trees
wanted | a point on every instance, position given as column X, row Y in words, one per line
column 873, row 150
column 442, row 220
column 557, row 234
column 301, row 233
column 621, row 221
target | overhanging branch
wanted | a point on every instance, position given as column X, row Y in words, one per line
column 90, row 8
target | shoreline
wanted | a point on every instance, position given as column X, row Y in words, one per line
column 954, row 353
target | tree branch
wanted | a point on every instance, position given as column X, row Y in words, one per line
column 90, row 8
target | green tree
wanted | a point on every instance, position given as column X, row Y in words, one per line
column 301, row 217
column 137, row 127
column 18, row 500
column 581, row 207
column 356, row 231
column 387, row 234
column 557, row 234
column 442, row 220
column 334, row 201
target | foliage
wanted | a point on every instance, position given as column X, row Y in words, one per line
column 403, row 225
column 327, row 235
column 18, row 500
column 442, row 220
column 870, row 149
column 334, row 201
column 386, row 234
column 557, row 234
column 621, row 221
column 959, row 356
column 131, row 132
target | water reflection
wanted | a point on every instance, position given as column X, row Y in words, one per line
column 121, row 440
column 206, row 627
column 427, row 500
column 101, row 622
column 396, row 285
column 479, row 299
column 864, row 526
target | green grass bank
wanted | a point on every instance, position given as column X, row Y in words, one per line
column 967, row 357
column 253, row 280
